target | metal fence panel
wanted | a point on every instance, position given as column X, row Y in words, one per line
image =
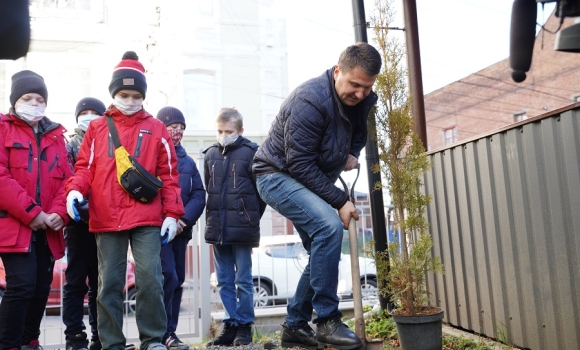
column 505, row 220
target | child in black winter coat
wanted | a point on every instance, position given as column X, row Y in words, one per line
column 233, row 214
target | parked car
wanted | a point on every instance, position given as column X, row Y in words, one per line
column 277, row 265
column 58, row 279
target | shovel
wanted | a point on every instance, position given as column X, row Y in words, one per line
column 359, row 322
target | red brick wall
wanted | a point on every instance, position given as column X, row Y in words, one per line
column 488, row 99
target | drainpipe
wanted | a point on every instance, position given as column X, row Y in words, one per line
column 414, row 67
column 372, row 154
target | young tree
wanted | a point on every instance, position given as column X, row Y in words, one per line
column 402, row 161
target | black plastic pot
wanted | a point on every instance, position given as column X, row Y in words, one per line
column 420, row 332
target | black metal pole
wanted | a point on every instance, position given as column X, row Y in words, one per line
column 372, row 154
column 414, row 66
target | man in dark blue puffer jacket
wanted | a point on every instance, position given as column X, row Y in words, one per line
column 319, row 132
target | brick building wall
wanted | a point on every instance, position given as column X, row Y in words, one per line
column 490, row 99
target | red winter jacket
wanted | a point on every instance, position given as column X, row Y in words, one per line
column 28, row 170
column 110, row 207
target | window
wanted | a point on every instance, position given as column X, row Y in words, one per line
column 206, row 8
column 200, row 99
column 61, row 4
column 519, row 116
column 576, row 98
column 288, row 250
column 450, row 135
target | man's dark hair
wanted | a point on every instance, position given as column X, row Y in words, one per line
column 363, row 55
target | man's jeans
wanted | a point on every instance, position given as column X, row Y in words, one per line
column 233, row 265
column 321, row 230
column 149, row 311
column 28, row 279
column 173, row 267
column 81, row 248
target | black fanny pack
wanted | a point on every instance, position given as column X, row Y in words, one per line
column 133, row 178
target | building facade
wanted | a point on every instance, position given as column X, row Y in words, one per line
column 199, row 56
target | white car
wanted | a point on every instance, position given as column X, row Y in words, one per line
column 277, row 265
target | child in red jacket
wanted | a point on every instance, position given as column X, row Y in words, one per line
column 117, row 218
column 33, row 169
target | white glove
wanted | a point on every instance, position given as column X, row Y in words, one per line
column 70, row 203
column 168, row 230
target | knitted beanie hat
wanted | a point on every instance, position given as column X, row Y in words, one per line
column 25, row 82
column 128, row 74
column 170, row 115
column 90, row 103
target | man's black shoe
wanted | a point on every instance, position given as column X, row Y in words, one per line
column 226, row 337
column 244, row 335
column 333, row 333
column 302, row 337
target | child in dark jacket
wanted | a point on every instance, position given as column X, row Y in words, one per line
column 81, row 252
column 173, row 253
column 233, row 214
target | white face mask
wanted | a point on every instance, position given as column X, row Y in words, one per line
column 128, row 106
column 30, row 114
column 227, row 140
column 84, row 121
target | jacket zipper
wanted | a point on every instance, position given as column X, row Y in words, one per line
column 213, row 175
column 138, row 149
column 38, row 175
column 30, row 154
column 234, row 173
column 53, row 163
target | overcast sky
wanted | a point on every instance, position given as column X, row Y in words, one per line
column 457, row 37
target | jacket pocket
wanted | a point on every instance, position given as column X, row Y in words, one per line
column 242, row 212
column 21, row 156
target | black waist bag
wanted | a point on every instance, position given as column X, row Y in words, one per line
column 133, row 178
column 139, row 183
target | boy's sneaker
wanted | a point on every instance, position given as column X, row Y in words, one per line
column 130, row 347
column 243, row 335
column 156, row 346
column 96, row 345
column 174, row 343
column 33, row 345
column 77, row 342
column 226, row 337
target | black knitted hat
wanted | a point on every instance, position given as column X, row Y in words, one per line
column 90, row 103
column 25, row 82
column 128, row 74
column 170, row 115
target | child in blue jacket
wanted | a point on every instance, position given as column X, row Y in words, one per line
column 173, row 253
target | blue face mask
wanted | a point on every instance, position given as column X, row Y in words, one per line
column 84, row 121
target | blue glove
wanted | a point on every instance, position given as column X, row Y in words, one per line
column 72, row 199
